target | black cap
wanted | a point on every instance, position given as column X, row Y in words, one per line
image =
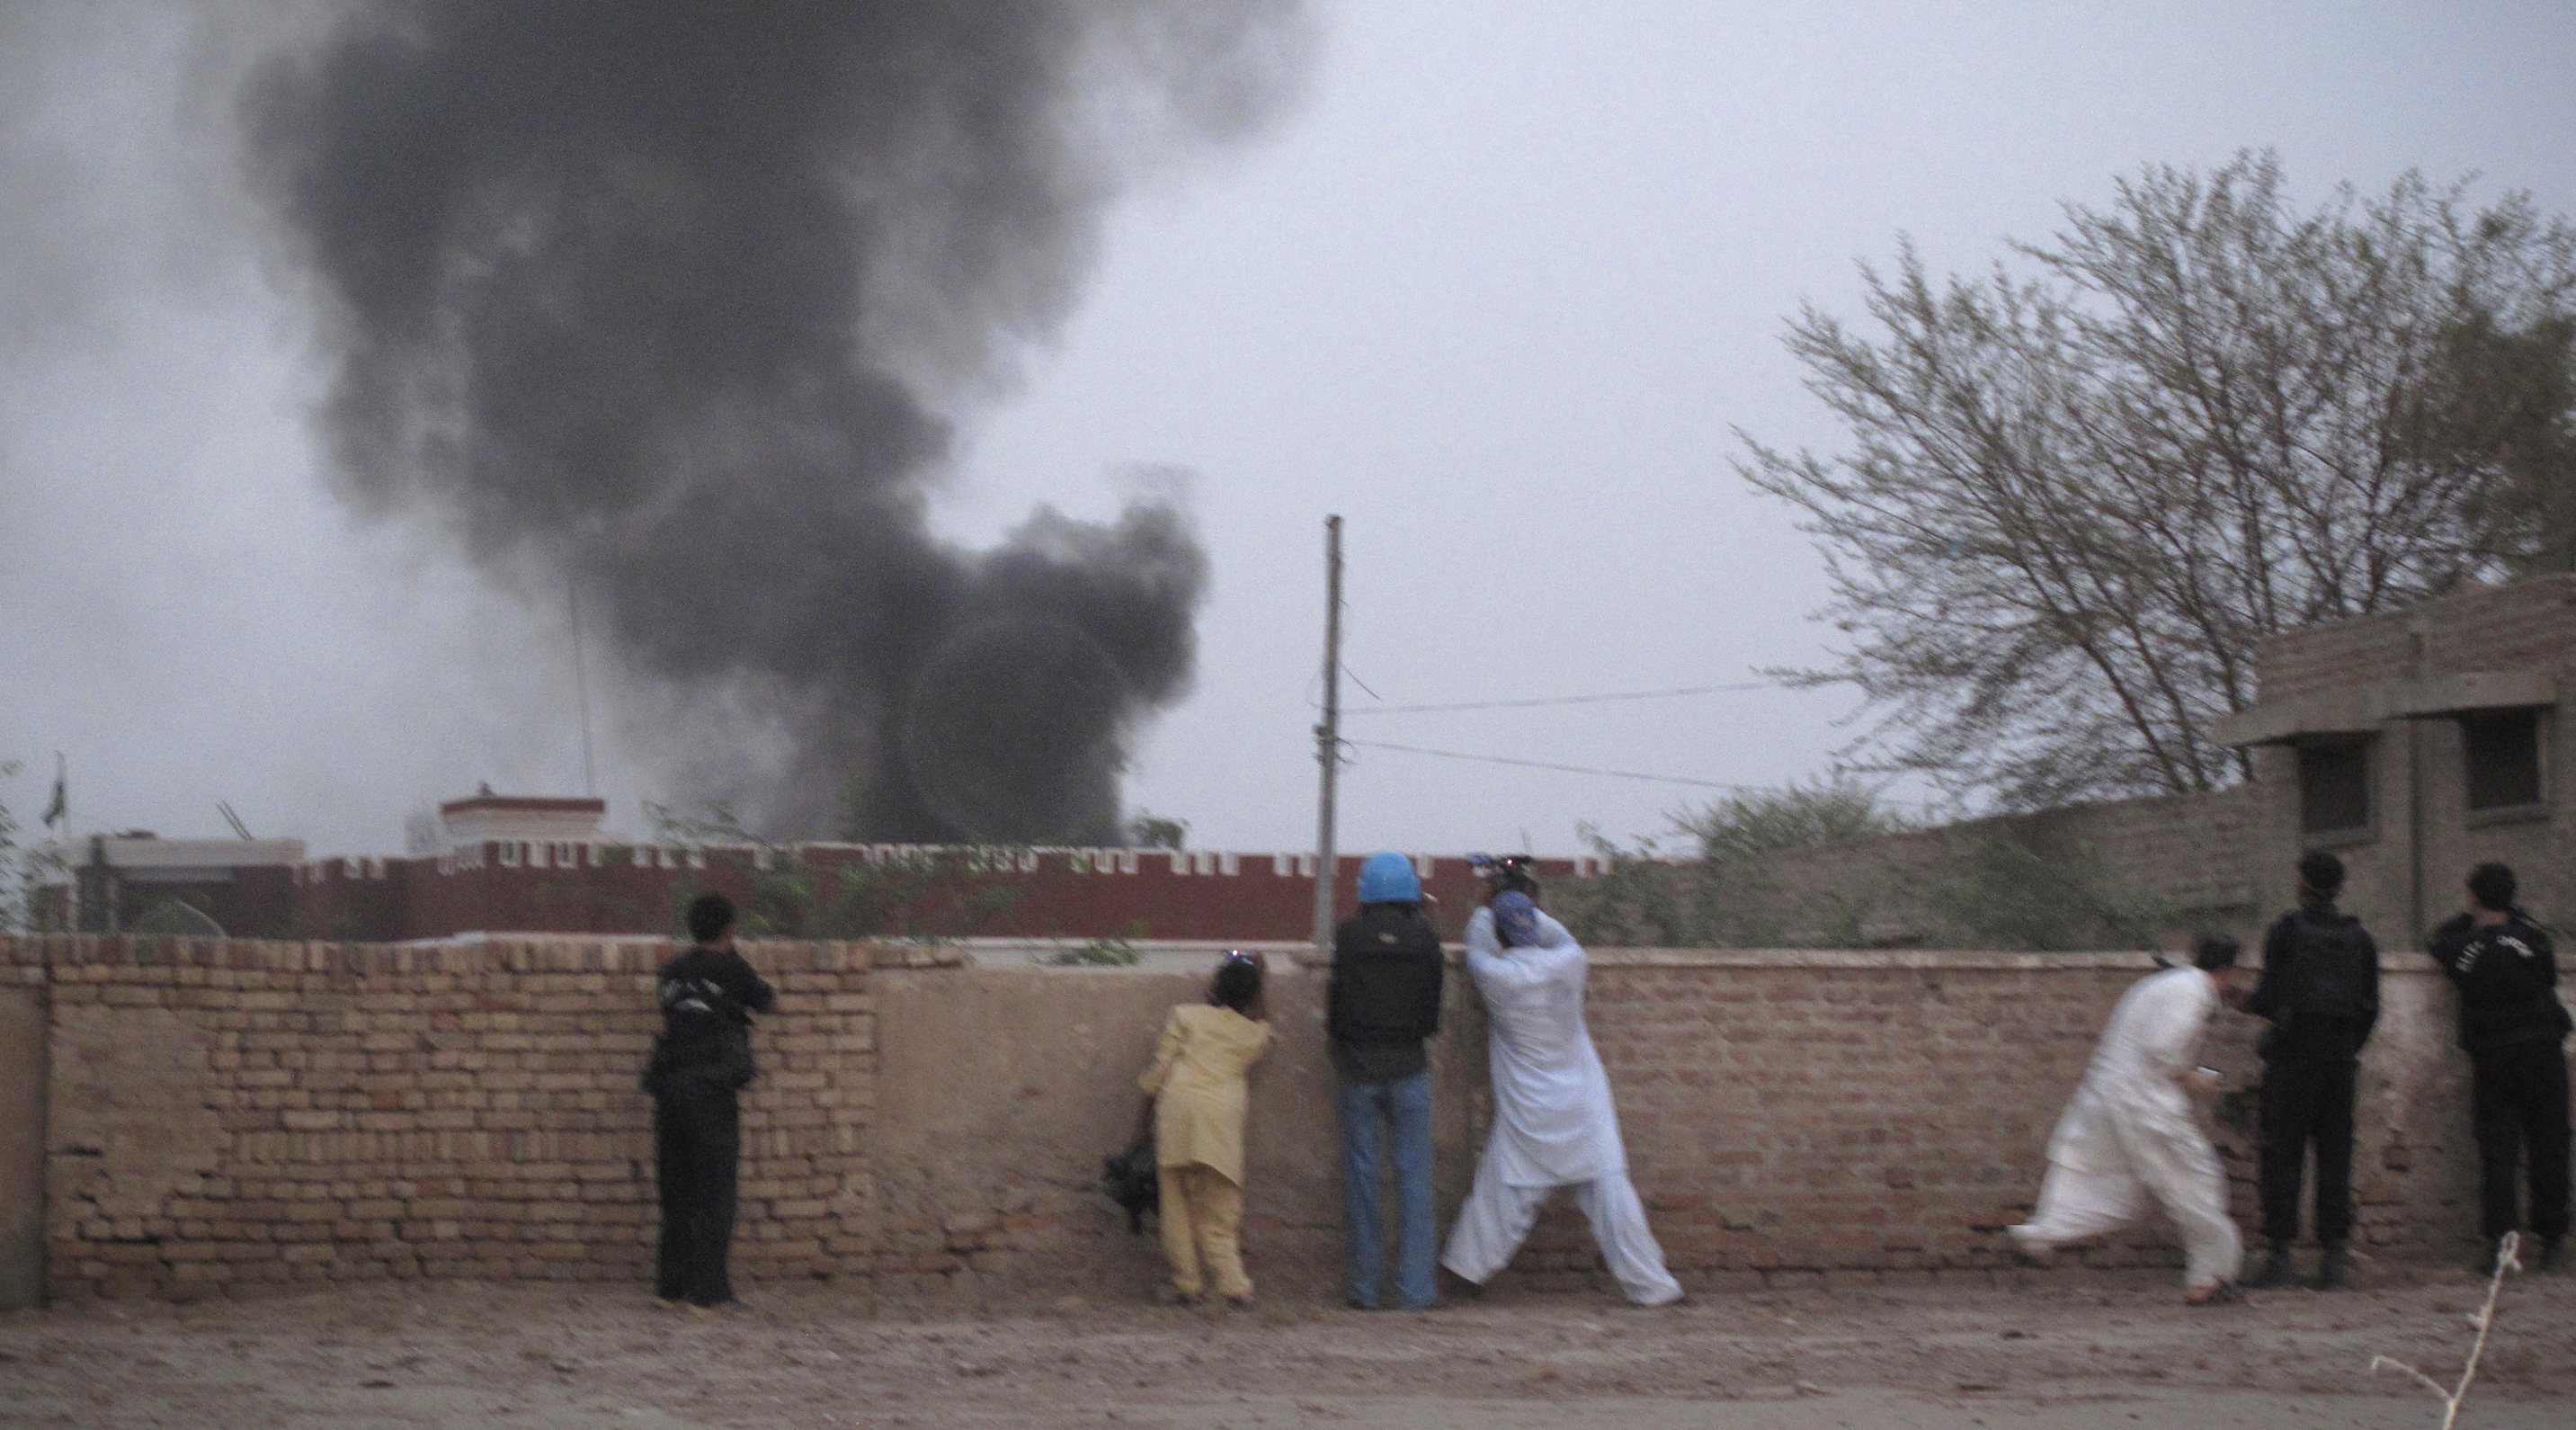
column 2493, row 886
column 2321, row 871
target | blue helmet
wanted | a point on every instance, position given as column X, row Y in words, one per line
column 1516, row 920
column 1389, row 879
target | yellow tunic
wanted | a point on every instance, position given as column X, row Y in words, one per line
column 1198, row 1087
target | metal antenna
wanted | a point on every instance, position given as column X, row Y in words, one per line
column 1328, row 734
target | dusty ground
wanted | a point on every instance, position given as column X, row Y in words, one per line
column 2069, row 1353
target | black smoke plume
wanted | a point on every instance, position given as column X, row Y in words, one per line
column 663, row 295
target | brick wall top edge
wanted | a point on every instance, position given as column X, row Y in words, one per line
column 2390, row 960
column 540, row 954
column 1858, row 958
column 637, row 956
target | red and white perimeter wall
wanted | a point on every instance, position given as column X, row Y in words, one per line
column 564, row 886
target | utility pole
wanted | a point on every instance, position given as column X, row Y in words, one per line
column 580, row 683
column 1328, row 735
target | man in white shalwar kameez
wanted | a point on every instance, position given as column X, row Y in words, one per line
column 1554, row 1122
column 2129, row 1135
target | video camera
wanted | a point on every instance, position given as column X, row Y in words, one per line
column 1509, row 874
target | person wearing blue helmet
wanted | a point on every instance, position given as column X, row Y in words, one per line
column 1383, row 1001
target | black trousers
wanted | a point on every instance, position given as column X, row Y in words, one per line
column 2307, row 1101
column 2519, row 1098
column 697, row 1153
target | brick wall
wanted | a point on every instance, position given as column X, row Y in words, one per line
column 229, row 1117
column 1842, row 1116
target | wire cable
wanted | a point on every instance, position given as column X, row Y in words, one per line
column 1674, row 693
column 1549, row 765
column 1594, row 770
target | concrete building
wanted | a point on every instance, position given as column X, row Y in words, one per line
column 2415, row 745
column 487, row 817
column 139, row 882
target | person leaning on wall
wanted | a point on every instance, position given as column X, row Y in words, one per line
column 1197, row 1096
column 2514, row 1030
column 1383, row 1001
column 701, row 1062
column 2320, row 991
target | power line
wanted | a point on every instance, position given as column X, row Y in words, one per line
column 1548, row 765
column 1568, row 699
column 1592, row 770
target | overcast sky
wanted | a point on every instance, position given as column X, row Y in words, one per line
column 1496, row 291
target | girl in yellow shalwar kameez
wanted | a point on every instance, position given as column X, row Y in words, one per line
column 1199, row 1094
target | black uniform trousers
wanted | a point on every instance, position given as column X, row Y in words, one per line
column 2307, row 1100
column 2519, row 1098
column 697, row 1151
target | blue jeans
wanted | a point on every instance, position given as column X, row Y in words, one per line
column 1405, row 1106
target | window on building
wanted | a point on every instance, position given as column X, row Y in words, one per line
column 2502, row 751
column 2334, row 788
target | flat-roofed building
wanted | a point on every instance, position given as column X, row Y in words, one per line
column 2416, row 745
column 140, row 882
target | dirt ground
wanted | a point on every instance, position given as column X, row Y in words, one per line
column 2066, row 1352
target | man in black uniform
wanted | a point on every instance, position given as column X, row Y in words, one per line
column 700, row 1063
column 2320, row 989
column 2512, row 1025
column 1383, row 1001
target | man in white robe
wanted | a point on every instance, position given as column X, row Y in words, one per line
column 1554, row 1122
column 2129, row 1136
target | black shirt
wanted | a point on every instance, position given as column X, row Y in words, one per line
column 1384, row 998
column 2507, row 975
column 708, row 996
column 2320, row 984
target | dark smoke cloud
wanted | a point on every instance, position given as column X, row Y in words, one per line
column 666, row 296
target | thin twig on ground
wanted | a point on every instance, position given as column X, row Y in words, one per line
column 2508, row 1258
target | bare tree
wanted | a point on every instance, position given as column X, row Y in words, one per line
column 2077, row 494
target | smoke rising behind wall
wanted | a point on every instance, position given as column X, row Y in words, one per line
column 673, row 301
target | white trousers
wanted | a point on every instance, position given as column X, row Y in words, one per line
column 1498, row 1216
column 2185, row 1179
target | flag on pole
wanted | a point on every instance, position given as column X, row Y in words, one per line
column 60, row 805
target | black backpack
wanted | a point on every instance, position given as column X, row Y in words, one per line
column 1134, row 1181
column 2335, row 970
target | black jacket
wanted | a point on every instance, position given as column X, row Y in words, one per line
column 1385, row 995
column 2507, row 975
column 2320, row 984
column 708, row 996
